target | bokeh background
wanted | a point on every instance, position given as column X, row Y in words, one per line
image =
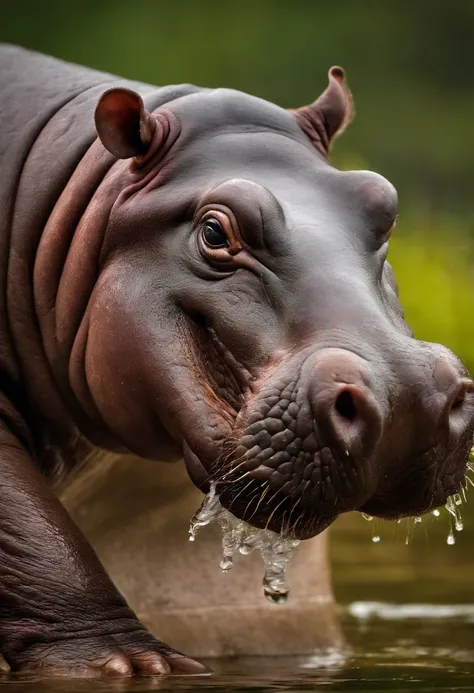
column 410, row 65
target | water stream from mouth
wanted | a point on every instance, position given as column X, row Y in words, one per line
column 240, row 537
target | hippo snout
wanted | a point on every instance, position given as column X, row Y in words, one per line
column 331, row 431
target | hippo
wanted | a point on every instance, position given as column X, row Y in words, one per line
column 185, row 275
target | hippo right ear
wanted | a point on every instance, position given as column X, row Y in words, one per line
column 328, row 116
column 124, row 125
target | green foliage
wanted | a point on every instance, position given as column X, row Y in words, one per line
column 433, row 263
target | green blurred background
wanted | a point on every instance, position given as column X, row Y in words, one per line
column 410, row 65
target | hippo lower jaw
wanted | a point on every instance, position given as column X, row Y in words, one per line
column 448, row 480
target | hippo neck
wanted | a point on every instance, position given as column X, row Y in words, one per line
column 58, row 183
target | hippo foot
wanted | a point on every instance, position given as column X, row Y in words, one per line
column 134, row 652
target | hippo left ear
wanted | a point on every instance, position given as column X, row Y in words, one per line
column 124, row 125
column 329, row 114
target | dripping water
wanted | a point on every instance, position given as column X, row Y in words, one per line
column 238, row 536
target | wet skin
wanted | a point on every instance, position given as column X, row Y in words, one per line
column 198, row 281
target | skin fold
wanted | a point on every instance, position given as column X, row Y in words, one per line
column 185, row 274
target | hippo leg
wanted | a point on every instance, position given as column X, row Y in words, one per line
column 59, row 611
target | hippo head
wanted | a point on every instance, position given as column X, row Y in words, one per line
column 245, row 314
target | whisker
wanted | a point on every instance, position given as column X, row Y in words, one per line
column 298, row 520
column 241, row 491
column 236, row 481
column 248, row 506
column 283, row 525
column 274, row 496
column 262, row 496
column 232, row 469
column 292, row 511
column 274, row 511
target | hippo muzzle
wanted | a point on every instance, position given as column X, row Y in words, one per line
column 332, row 431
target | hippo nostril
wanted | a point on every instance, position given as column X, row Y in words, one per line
column 345, row 406
column 462, row 399
column 347, row 413
column 355, row 419
column 459, row 400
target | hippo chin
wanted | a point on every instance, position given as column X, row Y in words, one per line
column 184, row 273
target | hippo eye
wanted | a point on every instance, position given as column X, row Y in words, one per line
column 217, row 238
column 214, row 235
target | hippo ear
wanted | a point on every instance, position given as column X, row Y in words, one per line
column 329, row 114
column 124, row 125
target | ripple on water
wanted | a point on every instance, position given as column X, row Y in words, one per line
column 400, row 612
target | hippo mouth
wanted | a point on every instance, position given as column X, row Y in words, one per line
column 302, row 498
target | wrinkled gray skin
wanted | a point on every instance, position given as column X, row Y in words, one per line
column 198, row 280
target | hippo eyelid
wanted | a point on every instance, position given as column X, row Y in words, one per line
column 222, row 212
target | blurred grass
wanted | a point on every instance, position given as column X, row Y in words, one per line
column 433, row 261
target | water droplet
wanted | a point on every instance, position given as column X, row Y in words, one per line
column 192, row 537
column 246, row 548
column 376, row 538
column 274, row 586
column 275, row 597
column 453, row 509
column 417, row 520
column 436, row 513
column 369, row 518
column 347, row 453
column 226, row 563
column 407, row 539
column 457, row 499
column 451, row 538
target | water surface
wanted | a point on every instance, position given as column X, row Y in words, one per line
column 407, row 612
